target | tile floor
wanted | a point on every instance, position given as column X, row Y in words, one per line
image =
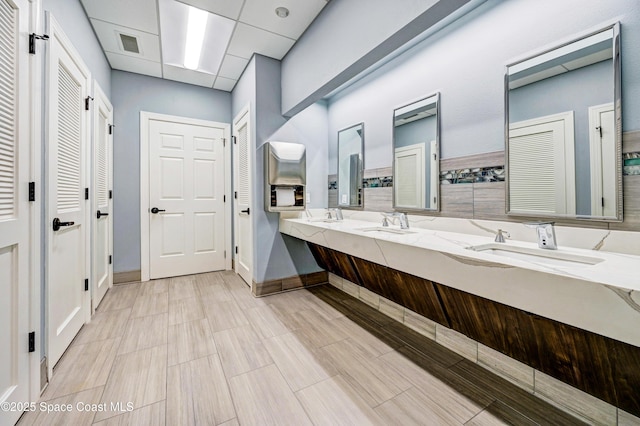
column 201, row 350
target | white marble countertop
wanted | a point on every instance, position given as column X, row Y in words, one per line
column 603, row 298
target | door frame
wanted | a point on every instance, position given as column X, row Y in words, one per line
column 145, row 118
column 595, row 157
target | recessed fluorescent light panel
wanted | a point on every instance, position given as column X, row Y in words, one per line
column 196, row 27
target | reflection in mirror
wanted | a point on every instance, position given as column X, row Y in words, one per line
column 416, row 155
column 564, row 131
column 350, row 166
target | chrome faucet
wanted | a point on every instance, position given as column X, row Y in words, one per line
column 500, row 236
column 401, row 217
column 338, row 213
column 546, row 234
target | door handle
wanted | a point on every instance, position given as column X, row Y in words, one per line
column 100, row 214
column 247, row 211
column 156, row 210
column 57, row 224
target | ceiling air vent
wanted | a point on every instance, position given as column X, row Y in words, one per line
column 129, row 43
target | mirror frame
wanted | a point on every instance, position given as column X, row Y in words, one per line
column 617, row 97
column 347, row 206
column 435, row 95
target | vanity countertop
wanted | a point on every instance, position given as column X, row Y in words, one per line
column 603, row 298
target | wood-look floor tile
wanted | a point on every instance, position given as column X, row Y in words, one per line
column 262, row 397
column 327, row 311
column 185, row 310
column 318, row 330
column 225, row 315
column 428, row 347
column 103, row 326
column 145, row 332
column 499, row 414
column 214, row 293
column 232, row 422
column 370, row 377
column 516, row 398
column 189, row 341
column 119, row 297
column 265, row 322
column 241, row 350
column 370, row 340
column 149, row 415
column 334, row 402
column 148, row 288
column 139, row 378
column 290, row 302
column 82, row 367
column 300, row 365
column 199, row 394
column 63, row 418
column 182, row 287
column 152, row 304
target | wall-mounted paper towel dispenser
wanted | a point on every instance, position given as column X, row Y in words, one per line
column 285, row 176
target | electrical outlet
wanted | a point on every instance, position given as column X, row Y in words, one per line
column 308, row 197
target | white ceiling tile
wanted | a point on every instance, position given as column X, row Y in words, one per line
column 226, row 84
column 139, row 14
column 232, row 67
column 136, row 65
column 228, row 8
column 108, row 34
column 173, row 21
column 247, row 39
column 261, row 14
column 188, row 76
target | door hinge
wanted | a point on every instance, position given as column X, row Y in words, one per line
column 32, row 191
column 235, row 140
column 111, row 126
column 224, row 198
column 86, row 284
column 225, row 254
column 235, row 195
column 32, row 341
column 602, row 201
column 236, row 249
column 86, row 193
column 224, row 141
column 86, row 102
column 32, row 41
column 110, row 259
column 110, row 194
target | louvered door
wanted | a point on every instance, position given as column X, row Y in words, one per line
column 67, row 254
column 410, row 176
column 243, row 228
column 14, row 207
column 101, row 217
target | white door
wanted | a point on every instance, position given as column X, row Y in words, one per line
column 434, row 179
column 410, row 171
column 102, row 175
column 242, row 194
column 67, row 295
column 603, row 160
column 186, row 198
column 14, row 206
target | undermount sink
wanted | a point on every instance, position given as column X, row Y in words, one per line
column 536, row 255
column 386, row 229
column 322, row 219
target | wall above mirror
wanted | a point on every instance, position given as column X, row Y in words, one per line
column 416, row 155
column 563, row 130
column 350, row 166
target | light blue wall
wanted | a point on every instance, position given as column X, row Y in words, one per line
column 132, row 93
column 71, row 17
column 466, row 62
column 349, row 36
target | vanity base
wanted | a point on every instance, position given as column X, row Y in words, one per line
column 600, row 366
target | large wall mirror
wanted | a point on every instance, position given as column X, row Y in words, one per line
column 350, row 166
column 563, row 131
column 416, row 155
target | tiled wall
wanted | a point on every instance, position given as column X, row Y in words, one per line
column 473, row 187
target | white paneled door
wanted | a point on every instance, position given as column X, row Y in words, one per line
column 242, row 182
column 14, row 207
column 67, row 208
column 186, row 198
column 102, row 175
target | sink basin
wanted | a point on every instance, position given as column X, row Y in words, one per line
column 535, row 255
column 386, row 229
column 322, row 219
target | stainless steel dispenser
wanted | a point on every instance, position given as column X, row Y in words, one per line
column 285, row 171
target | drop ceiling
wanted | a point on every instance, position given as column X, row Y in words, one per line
column 236, row 30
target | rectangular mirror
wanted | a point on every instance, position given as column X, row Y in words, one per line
column 563, row 131
column 416, row 155
column 350, row 166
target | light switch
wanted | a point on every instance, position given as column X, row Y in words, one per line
column 308, row 197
